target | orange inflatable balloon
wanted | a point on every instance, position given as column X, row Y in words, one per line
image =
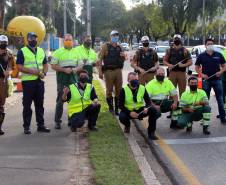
column 21, row 25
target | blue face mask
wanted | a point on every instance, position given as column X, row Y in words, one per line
column 114, row 39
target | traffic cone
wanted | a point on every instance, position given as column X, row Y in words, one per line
column 19, row 87
column 200, row 78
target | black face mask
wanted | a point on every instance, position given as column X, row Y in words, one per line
column 146, row 44
column 32, row 43
column 177, row 42
column 134, row 83
column 193, row 87
column 83, row 79
column 3, row 46
column 160, row 78
column 87, row 44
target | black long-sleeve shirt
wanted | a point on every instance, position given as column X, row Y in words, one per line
column 134, row 92
column 93, row 94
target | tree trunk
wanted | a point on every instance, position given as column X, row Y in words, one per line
column 2, row 13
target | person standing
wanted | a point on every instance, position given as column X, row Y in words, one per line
column 6, row 65
column 110, row 66
column 145, row 62
column 212, row 64
column 134, row 103
column 87, row 56
column 178, row 58
column 195, row 107
column 64, row 62
column 82, row 103
column 32, row 63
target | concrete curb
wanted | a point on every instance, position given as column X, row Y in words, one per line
column 173, row 174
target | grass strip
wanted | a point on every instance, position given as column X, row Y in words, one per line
column 111, row 158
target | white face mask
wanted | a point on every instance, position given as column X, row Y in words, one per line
column 209, row 48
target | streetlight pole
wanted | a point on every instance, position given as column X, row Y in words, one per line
column 88, row 4
column 65, row 17
column 203, row 22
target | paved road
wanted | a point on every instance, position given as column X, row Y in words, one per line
column 38, row 159
column 204, row 157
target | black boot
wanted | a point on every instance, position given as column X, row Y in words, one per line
column 152, row 136
column 174, row 125
column 110, row 105
column 2, row 117
column 189, row 129
column 116, row 106
column 127, row 130
column 205, row 130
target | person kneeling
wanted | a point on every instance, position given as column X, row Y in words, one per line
column 134, row 103
column 195, row 107
column 82, row 103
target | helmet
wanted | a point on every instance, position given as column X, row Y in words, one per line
column 4, row 38
column 145, row 39
column 114, row 32
column 177, row 36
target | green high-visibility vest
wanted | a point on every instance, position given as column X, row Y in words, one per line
column 79, row 101
column 160, row 90
column 130, row 104
column 32, row 61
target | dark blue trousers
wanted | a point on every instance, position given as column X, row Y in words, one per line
column 33, row 91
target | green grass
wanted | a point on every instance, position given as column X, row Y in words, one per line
column 110, row 156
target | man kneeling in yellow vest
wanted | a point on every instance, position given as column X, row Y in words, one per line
column 82, row 103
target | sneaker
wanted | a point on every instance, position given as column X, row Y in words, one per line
column 205, row 130
column 2, row 132
column 218, row 116
column 127, row 130
column 43, row 129
column 27, row 131
column 93, row 128
column 58, row 126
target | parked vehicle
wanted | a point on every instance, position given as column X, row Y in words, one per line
column 161, row 51
column 125, row 46
column 135, row 46
column 152, row 44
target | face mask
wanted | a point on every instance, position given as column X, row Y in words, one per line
column 160, row 78
column 32, row 43
column 146, row 44
column 114, row 39
column 134, row 83
column 177, row 42
column 209, row 48
column 3, row 46
column 83, row 79
column 193, row 87
column 68, row 44
column 87, row 44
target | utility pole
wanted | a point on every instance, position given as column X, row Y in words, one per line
column 203, row 22
column 88, row 9
column 65, row 17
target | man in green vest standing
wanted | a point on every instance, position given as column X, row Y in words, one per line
column 87, row 56
column 32, row 63
column 82, row 103
column 64, row 62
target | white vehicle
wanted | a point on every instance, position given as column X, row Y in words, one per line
column 161, row 51
column 125, row 46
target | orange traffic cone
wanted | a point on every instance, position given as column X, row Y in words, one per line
column 200, row 78
column 19, row 87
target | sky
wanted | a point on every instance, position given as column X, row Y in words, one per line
column 129, row 4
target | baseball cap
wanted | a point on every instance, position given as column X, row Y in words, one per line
column 3, row 38
column 31, row 35
column 114, row 32
column 144, row 39
column 177, row 36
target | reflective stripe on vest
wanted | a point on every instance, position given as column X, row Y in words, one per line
column 78, row 101
column 129, row 102
column 32, row 61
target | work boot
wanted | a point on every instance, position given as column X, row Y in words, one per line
column 189, row 129
column 152, row 136
column 205, row 130
column 93, row 128
column 110, row 105
column 116, row 106
column 174, row 125
column 2, row 117
column 57, row 126
column 43, row 129
column 27, row 131
column 127, row 130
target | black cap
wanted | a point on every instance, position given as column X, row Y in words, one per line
column 31, row 35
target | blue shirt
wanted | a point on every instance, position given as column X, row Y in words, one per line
column 20, row 57
column 210, row 63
